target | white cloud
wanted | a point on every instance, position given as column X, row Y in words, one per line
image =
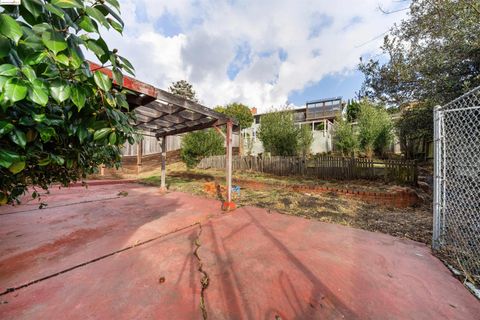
column 317, row 38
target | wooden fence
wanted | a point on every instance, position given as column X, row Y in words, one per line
column 325, row 167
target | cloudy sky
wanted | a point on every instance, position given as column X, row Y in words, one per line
column 261, row 53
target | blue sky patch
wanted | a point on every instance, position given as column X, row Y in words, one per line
column 168, row 25
column 330, row 86
column 141, row 12
column 320, row 21
column 282, row 54
column 241, row 60
column 355, row 20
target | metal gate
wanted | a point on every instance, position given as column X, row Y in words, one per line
column 456, row 226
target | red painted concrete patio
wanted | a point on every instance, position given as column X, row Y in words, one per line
column 95, row 254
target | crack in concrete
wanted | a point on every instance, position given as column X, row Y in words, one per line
column 10, row 290
column 59, row 206
column 205, row 280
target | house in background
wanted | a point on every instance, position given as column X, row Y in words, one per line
column 319, row 115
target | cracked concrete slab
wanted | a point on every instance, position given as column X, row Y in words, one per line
column 260, row 265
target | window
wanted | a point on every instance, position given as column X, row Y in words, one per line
column 319, row 126
column 309, row 125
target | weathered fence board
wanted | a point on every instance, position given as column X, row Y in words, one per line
column 325, row 167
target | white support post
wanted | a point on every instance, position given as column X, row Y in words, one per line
column 228, row 205
column 163, row 187
column 139, row 155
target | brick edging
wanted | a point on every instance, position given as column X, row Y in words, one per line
column 401, row 198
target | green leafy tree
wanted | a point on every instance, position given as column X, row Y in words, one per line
column 353, row 109
column 375, row 128
column 240, row 112
column 385, row 135
column 58, row 120
column 305, row 139
column 414, row 125
column 433, row 58
column 249, row 144
column 200, row 144
column 433, row 55
column 183, row 89
column 345, row 138
column 278, row 133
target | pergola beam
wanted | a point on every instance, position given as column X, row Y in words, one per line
column 188, row 129
column 148, row 112
column 192, row 106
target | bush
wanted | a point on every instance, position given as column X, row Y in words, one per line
column 353, row 109
column 345, row 138
column 415, row 124
column 375, row 128
column 305, row 139
column 278, row 133
column 200, row 144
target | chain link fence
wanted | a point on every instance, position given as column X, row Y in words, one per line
column 456, row 230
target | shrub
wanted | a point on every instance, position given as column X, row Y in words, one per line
column 345, row 138
column 415, row 124
column 278, row 133
column 375, row 128
column 305, row 139
column 200, row 144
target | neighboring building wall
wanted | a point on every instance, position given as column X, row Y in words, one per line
column 322, row 142
column 256, row 144
column 322, row 137
column 152, row 146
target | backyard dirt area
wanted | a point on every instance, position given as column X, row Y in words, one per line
column 413, row 223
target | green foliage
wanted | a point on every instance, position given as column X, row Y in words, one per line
column 345, row 138
column 319, row 126
column 278, row 133
column 375, row 128
column 434, row 55
column 305, row 139
column 414, row 124
column 58, row 120
column 183, row 89
column 249, row 144
column 200, row 144
column 238, row 111
column 353, row 109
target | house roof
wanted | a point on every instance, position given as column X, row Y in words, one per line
column 160, row 113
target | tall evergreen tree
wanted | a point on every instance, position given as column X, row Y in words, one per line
column 183, row 89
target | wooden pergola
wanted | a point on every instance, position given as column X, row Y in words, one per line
column 160, row 114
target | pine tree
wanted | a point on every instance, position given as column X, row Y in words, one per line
column 183, row 89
